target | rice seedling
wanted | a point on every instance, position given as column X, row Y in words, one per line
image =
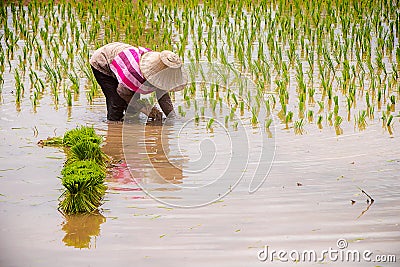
column 196, row 118
column 336, row 108
column 19, row 87
column 268, row 123
column 388, row 108
column 319, row 121
column 371, row 111
column 254, row 117
column 232, row 113
column 69, row 98
column 329, row 118
column 210, row 123
column 73, row 77
column 389, row 121
column 321, row 106
column 360, row 120
column 181, row 111
column 84, row 184
column 213, row 105
column 392, row 103
column 241, row 105
column 298, row 126
column 311, row 92
column 310, row 115
column 288, row 119
column 338, row 121
column 226, row 120
column 235, row 125
column 384, row 119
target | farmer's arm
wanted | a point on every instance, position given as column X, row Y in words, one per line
column 131, row 99
column 165, row 102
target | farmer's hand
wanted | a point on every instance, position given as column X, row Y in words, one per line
column 155, row 114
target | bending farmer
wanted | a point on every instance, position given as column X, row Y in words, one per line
column 124, row 72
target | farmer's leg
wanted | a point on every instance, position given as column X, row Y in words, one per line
column 115, row 104
column 131, row 98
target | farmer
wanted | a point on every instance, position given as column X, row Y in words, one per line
column 125, row 72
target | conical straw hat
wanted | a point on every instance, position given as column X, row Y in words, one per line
column 163, row 70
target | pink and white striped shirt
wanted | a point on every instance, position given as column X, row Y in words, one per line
column 125, row 66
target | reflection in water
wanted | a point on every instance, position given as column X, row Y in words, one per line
column 113, row 142
column 166, row 165
column 147, row 149
column 80, row 228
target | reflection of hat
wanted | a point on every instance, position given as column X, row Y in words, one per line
column 163, row 70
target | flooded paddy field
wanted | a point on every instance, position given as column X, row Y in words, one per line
column 303, row 111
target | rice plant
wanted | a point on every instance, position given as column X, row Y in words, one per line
column 338, row 122
column 299, row 126
column 389, row 125
column 310, row 115
column 268, row 123
column 316, row 57
column 392, row 103
column 69, row 98
column 19, row 87
column 360, row 120
column 235, row 125
column 288, row 119
column 319, row 121
column 73, row 77
column 254, row 118
column 389, row 121
column 210, row 123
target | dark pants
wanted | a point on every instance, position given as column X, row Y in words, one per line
column 116, row 106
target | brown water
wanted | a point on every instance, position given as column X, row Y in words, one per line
column 305, row 202
column 311, row 198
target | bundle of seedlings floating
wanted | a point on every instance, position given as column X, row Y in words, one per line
column 82, row 133
column 84, row 170
column 84, row 187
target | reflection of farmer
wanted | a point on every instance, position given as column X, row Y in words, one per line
column 161, row 162
column 124, row 72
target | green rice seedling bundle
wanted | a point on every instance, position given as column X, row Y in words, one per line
column 83, row 133
column 84, row 187
column 86, row 150
column 84, row 171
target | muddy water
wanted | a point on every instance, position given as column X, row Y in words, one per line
column 305, row 202
column 312, row 196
